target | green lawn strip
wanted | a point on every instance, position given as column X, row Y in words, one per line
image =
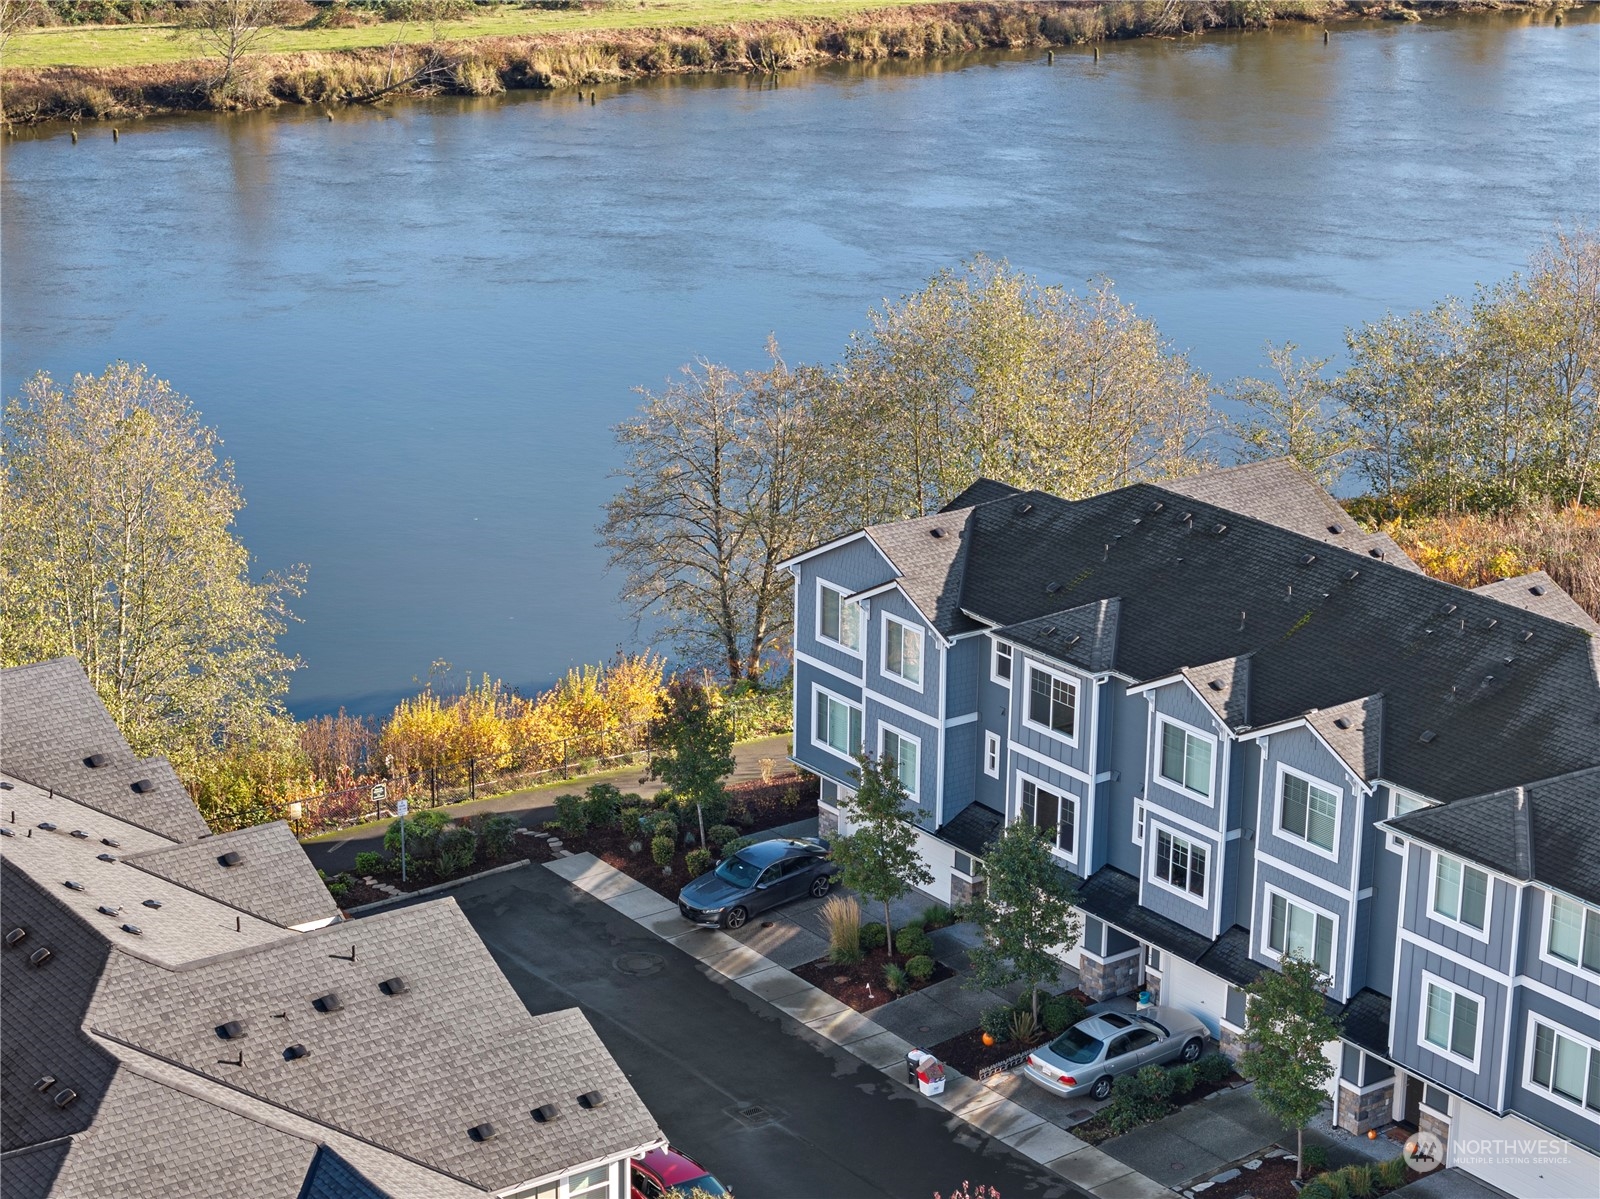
column 140, row 45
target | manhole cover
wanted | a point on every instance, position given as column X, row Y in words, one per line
column 639, row 964
column 752, row 1115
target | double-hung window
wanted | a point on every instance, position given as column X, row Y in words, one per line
column 1138, row 821
column 1450, row 1020
column 1460, row 893
column 1054, row 814
column 1000, row 666
column 903, row 751
column 991, row 755
column 902, row 651
column 1564, row 1066
column 1574, row 935
column 1299, row 931
column 1307, row 810
column 1052, row 703
column 838, row 724
column 838, row 618
column 1180, row 863
column 1185, row 759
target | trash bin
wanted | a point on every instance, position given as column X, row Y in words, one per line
column 930, row 1075
column 913, row 1057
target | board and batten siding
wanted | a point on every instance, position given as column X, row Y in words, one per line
column 1582, row 985
column 1479, row 1082
column 852, row 567
column 1188, row 911
column 963, row 662
column 1038, row 742
column 807, row 679
column 1059, row 782
column 1534, row 1102
column 1493, row 953
column 1128, row 716
column 926, row 701
column 963, row 764
column 1269, row 875
column 1386, row 900
column 1300, row 750
column 926, row 732
column 1178, row 702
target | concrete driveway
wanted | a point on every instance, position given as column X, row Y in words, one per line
column 771, row 1108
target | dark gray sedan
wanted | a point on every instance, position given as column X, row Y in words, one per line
column 1084, row 1059
column 756, row 878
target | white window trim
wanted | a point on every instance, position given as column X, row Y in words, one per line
column 1141, row 813
column 1538, row 1088
column 1396, row 841
column 1271, row 954
column 991, row 753
column 883, row 728
column 1549, row 958
column 1152, row 827
column 817, row 689
column 1295, row 838
column 994, row 661
column 844, row 598
column 1435, row 915
column 1026, row 701
column 1427, row 977
column 1070, row 855
column 1155, row 760
column 883, row 652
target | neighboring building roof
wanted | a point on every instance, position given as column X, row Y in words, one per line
column 1538, row 592
column 1281, row 492
column 1547, row 832
column 973, row 829
column 54, row 722
column 1113, row 896
column 1464, row 677
column 981, row 491
column 1366, row 1021
column 272, row 877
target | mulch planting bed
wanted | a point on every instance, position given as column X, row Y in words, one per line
column 1097, row 1129
column 861, row 985
column 967, row 1052
column 1274, row 1179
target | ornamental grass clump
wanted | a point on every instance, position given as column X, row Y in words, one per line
column 841, row 916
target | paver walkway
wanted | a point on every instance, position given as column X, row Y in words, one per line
column 981, row 1107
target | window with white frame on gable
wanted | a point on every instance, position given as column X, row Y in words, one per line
column 902, row 651
column 991, row 755
column 1450, row 1020
column 1307, row 810
column 1564, row 1066
column 838, row 724
column 903, row 751
column 1574, row 933
column 1052, row 702
column 1402, row 804
column 1294, row 929
column 1054, row 814
column 838, row 618
column 1000, row 666
column 1185, row 759
column 1180, row 863
column 1460, row 892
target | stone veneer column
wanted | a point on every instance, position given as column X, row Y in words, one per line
column 1232, row 1042
column 1152, row 983
column 1360, row 1111
column 1439, row 1127
column 1100, row 979
column 827, row 821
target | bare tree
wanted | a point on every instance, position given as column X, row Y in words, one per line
column 1292, row 416
column 17, row 15
column 230, row 29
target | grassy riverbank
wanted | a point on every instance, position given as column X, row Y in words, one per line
column 102, row 72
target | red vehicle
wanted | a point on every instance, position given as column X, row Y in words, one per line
column 668, row 1174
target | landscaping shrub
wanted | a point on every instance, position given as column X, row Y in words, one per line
column 1335, row 1182
column 572, row 815
column 912, row 942
column 662, row 824
column 368, row 862
column 841, row 916
column 997, row 1021
column 458, row 847
column 920, row 969
column 1316, row 1189
column 1139, row 1098
column 337, row 886
column 601, row 803
column 1213, row 1068
column 1392, row 1173
column 718, row 836
column 630, row 819
column 894, row 977
column 422, row 835
column 496, row 834
column 936, row 916
column 1023, row 1027
column 738, row 843
column 1061, row 1012
column 1359, row 1181
column 1316, row 1157
column 1183, row 1079
column 958, row 913
column 697, row 862
column 662, row 850
column 873, row 935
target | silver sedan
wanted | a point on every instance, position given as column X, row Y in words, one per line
column 1084, row 1059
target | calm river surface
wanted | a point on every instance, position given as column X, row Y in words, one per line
column 414, row 327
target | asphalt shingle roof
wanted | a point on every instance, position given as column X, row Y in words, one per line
column 273, row 878
column 1085, row 635
column 929, row 553
column 1538, row 592
column 1366, row 1021
column 972, row 829
column 1113, row 896
column 51, row 720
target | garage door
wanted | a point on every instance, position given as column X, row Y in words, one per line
column 1520, row 1157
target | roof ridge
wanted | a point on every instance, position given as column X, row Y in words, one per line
column 57, row 793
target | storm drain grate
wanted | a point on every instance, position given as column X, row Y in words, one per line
column 752, row 1115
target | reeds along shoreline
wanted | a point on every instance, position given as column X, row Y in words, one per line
column 487, row 66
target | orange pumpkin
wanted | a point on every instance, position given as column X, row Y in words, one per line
column 988, row 1039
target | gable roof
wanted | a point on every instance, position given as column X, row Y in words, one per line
column 929, row 556
column 54, row 720
column 1085, row 635
column 1538, row 592
column 981, row 491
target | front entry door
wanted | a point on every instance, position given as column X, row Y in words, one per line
column 1412, row 1110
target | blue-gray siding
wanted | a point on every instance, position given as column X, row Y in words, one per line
column 1480, row 1082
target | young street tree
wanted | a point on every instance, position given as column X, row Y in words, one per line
column 691, row 750
column 229, row 29
column 878, row 859
column 1293, row 415
column 721, row 488
column 1288, row 1027
column 1026, row 910
column 118, row 549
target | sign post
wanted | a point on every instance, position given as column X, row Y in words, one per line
column 401, row 807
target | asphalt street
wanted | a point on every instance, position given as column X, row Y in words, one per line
column 702, row 1052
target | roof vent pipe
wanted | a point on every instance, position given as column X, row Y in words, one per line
column 95, row 761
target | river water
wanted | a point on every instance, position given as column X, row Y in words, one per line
column 415, row 326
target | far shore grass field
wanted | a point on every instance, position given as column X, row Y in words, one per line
column 144, row 45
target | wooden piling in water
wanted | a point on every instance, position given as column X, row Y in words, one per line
column 1324, row 37
column 115, row 136
column 1097, row 54
column 1050, row 57
column 74, row 137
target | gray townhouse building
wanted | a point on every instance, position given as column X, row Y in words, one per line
column 1249, row 728
column 188, row 1016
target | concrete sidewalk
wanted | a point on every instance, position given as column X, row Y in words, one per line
column 983, row 1109
column 336, row 852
